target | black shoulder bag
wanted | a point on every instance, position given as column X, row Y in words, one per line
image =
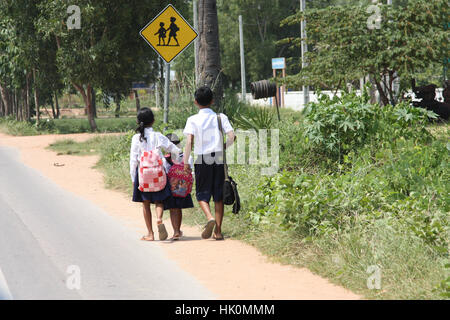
column 230, row 192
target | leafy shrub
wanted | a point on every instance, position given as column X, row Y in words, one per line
column 409, row 186
column 294, row 153
column 254, row 118
column 336, row 126
column 245, row 116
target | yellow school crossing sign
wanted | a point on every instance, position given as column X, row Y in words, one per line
column 169, row 33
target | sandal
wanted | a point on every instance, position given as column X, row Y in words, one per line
column 162, row 232
column 215, row 236
column 206, row 234
column 148, row 237
column 177, row 237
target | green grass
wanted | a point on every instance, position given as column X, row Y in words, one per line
column 71, row 147
column 65, row 126
column 18, row 128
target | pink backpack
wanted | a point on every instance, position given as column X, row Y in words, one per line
column 152, row 177
column 180, row 181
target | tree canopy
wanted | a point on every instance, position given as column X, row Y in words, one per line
column 343, row 48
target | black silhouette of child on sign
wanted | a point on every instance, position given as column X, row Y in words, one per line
column 173, row 31
column 162, row 34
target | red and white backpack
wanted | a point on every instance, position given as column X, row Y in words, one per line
column 180, row 181
column 152, row 177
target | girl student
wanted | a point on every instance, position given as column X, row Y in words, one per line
column 147, row 139
column 176, row 204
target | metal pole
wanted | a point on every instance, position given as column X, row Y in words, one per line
column 283, row 88
column 157, row 94
column 304, row 50
column 195, row 9
column 387, row 79
column 241, row 40
column 166, row 94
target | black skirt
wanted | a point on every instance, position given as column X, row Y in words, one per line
column 178, row 203
column 159, row 196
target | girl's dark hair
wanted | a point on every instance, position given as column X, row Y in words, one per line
column 145, row 118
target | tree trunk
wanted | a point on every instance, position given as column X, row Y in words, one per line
column 117, row 111
column 5, row 97
column 28, row 104
column 53, row 108
column 138, row 102
column 2, row 108
column 94, row 103
column 209, row 49
column 384, row 98
column 24, row 105
column 15, row 105
column 86, row 94
column 58, row 113
column 36, row 98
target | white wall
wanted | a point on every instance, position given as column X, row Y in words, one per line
column 294, row 99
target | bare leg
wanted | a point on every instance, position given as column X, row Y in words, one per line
column 218, row 208
column 207, row 232
column 159, row 212
column 206, row 209
column 176, row 216
column 159, row 216
column 148, row 221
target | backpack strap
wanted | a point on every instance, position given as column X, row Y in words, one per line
column 225, row 166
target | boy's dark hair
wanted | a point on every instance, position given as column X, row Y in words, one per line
column 204, row 96
column 173, row 138
column 145, row 118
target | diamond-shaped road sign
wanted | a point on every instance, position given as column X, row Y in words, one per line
column 169, row 33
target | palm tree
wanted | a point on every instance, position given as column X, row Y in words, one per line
column 209, row 49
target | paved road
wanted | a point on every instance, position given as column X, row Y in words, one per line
column 48, row 235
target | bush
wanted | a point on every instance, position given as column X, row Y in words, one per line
column 336, row 126
column 408, row 186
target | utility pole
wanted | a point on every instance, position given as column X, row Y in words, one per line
column 195, row 9
column 304, row 51
column 241, row 40
column 387, row 79
column 166, row 94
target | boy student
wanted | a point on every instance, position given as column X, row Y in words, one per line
column 203, row 130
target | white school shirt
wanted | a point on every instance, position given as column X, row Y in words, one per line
column 205, row 129
column 155, row 140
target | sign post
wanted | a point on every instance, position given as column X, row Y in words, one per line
column 304, row 48
column 241, row 42
column 279, row 64
column 168, row 34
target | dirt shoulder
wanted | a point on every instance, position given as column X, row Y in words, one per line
column 231, row 269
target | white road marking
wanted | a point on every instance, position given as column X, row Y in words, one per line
column 5, row 294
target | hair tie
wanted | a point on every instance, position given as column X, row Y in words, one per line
column 141, row 124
